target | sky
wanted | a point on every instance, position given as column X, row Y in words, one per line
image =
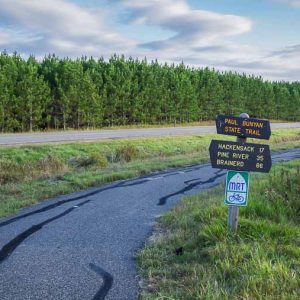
column 260, row 37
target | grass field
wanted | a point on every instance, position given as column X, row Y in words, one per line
column 29, row 174
column 260, row 261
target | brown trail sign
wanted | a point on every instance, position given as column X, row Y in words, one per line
column 241, row 127
column 240, row 156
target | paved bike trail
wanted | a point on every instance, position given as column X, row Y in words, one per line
column 82, row 246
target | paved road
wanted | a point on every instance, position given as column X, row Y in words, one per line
column 82, row 246
column 73, row 136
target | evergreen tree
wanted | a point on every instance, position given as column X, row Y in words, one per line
column 33, row 95
column 83, row 93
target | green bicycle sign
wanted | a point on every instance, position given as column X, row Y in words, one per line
column 236, row 189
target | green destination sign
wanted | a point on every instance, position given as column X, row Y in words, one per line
column 236, row 189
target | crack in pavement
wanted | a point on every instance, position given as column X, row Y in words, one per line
column 277, row 159
column 216, row 173
column 163, row 200
column 141, row 180
column 98, row 191
column 10, row 247
column 196, row 169
column 59, row 203
column 107, row 282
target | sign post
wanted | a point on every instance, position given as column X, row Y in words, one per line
column 240, row 158
column 233, row 210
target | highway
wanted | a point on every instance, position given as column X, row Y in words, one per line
column 82, row 246
column 95, row 135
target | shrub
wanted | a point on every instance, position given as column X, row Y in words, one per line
column 87, row 161
column 126, row 153
column 47, row 166
column 80, row 161
column 13, row 172
column 99, row 160
column 10, row 172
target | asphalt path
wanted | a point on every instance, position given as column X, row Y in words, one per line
column 94, row 135
column 82, row 246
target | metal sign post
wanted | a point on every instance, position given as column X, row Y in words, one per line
column 233, row 210
column 240, row 158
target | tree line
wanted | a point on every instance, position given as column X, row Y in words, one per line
column 58, row 93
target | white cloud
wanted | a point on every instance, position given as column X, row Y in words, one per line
column 279, row 65
column 17, row 37
column 192, row 28
column 62, row 25
column 197, row 37
column 4, row 37
column 204, row 38
column 294, row 3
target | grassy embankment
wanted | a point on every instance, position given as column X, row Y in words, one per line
column 29, row 174
column 142, row 126
column 137, row 126
column 261, row 261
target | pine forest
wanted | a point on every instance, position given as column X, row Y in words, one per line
column 62, row 93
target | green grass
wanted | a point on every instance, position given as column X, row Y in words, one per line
column 260, row 261
column 29, row 174
column 142, row 125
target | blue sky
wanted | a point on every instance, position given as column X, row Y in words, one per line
column 260, row 37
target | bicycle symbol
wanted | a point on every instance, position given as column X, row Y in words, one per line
column 236, row 198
